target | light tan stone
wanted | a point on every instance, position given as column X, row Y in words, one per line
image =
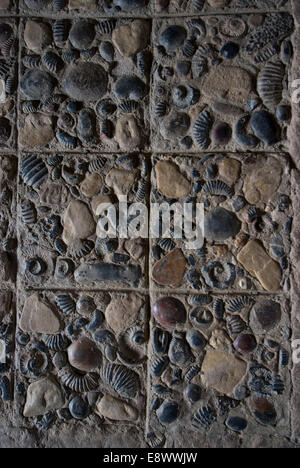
column 257, row 262
column 91, row 185
column 87, row 5
column 43, row 396
column 262, row 181
column 37, row 317
column 115, row 409
column 222, row 371
column 54, row 193
column 233, row 84
column 2, row 351
column 135, row 247
column 121, row 313
column 169, row 270
column 229, row 170
column 78, row 222
column 98, row 201
column 131, row 38
column 220, row 340
column 128, row 135
column 170, row 181
column 120, row 180
column 37, row 36
column 37, row 130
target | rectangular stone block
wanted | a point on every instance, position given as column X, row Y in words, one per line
column 219, row 83
column 8, row 83
column 81, row 8
column 7, row 347
column 8, row 229
column 90, row 89
column 216, row 6
column 219, row 369
column 63, row 200
column 246, row 220
column 81, row 357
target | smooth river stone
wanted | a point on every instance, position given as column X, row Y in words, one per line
column 229, row 170
column 175, row 125
column 120, row 180
column 220, row 224
column 85, row 81
column 122, row 312
column 262, row 181
column 37, row 84
column 101, row 271
column 82, row 35
column 37, row 317
column 267, row 313
column 169, row 311
column 128, row 134
column 169, row 271
column 232, row 82
column 78, row 222
column 37, row 130
column 84, row 355
column 43, row 396
column 170, row 182
column 257, row 262
column 91, row 185
column 131, row 38
column 245, row 343
column 265, row 127
column 37, row 36
column 172, row 37
column 263, row 410
column 222, row 371
column 115, row 409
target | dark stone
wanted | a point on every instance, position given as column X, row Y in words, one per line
column 5, row 32
column 265, row 127
column 183, row 68
column 195, row 339
column 37, row 4
column 245, row 343
column 284, row 113
column 229, row 50
column 107, row 51
column 221, row 133
column 37, row 84
column 5, row 130
column 263, row 410
column 78, row 408
column 175, row 125
column 172, row 37
column 238, row 202
column 221, row 224
column 267, row 313
column 193, row 393
column 130, row 87
column 168, row 311
column 180, row 353
column 82, row 35
column 85, row 82
column 130, row 5
column 168, row 412
column 236, row 423
column 101, row 271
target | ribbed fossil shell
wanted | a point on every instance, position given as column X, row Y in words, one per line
column 56, row 342
column 123, row 380
column 204, row 417
column 33, row 171
column 202, row 127
column 28, row 213
column 78, row 382
column 270, row 83
column 66, row 303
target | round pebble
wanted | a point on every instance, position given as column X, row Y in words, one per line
column 84, row 355
column 82, row 35
column 230, row 50
column 172, row 37
column 78, row 408
column 85, row 82
column 221, row 133
column 85, row 306
column 263, row 410
column 169, row 311
column 168, row 412
column 236, row 423
column 265, row 127
column 220, row 224
column 245, row 343
column 284, row 113
column 130, row 87
column 193, row 393
column 37, row 84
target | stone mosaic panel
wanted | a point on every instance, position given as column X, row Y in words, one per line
column 7, row 327
column 8, row 234
column 219, row 369
column 221, row 82
column 84, row 84
column 213, row 6
column 60, row 200
column 8, row 82
column 247, row 222
column 79, row 358
column 87, row 7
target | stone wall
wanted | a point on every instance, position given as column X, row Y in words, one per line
column 127, row 342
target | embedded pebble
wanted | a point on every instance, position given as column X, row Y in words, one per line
column 79, row 408
column 37, row 130
column 265, row 127
column 229, row 170
column 263, row 410
column 37, row 84
column 131, row 38
column 91, row 185
column 267, row 313
column 262, row 181
column 220, row 224
column 78, row 222
column 85, row 82
column 84, row 355
column 175, row 125
column 170, row 181
column 130, row 87
column 37, row 36
column 121, row 313
column 245, row 343
column 38, row 317
column 42, row 396
column 172, row 37
column 236, row 423
column 221, row 133
column 128, row 134
column 82, row 35
column 116, row 410
column 168, row 412
column 169, row 271
column 169, row 311
column 121, row 180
